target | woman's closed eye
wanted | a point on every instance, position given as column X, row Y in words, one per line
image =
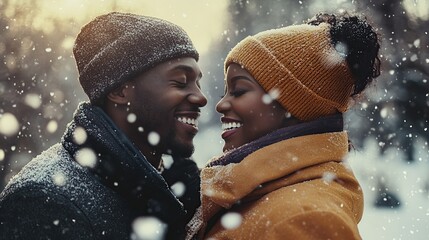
column 237, row 92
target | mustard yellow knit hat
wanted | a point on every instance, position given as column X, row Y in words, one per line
column 301, row 63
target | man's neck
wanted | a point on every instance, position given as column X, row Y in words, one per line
column 119, row 116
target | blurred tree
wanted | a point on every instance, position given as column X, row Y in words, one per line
column 37, row 83
column 398, row 116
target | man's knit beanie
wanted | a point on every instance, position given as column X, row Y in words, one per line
column 116, row 47
column 300, row 63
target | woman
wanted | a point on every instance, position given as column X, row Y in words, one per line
column 282, row 174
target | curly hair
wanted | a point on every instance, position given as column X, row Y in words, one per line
column 361, row 44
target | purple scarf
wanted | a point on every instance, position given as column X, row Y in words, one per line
column 332, row 123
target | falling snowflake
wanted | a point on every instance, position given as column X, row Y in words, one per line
column 2, row 155
column 52, row 126
column 167, row 161
column 148, row 228
column 328, row 177
column 153, row 138
column 272, row 95
column 231, row 220
column 33, row 100
column 86, row 157
column 79, row 135
column 131, row 118
column 9, row 125
column 178, row 189
column 59, row 179
column 342, row 49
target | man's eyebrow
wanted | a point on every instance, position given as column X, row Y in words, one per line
column 187, row 69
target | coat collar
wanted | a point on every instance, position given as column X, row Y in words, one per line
column 226, row 185
column 121, row 166
column 331, row 123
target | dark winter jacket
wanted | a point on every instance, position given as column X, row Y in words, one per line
column 55, row 197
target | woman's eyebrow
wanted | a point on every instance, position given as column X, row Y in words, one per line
column 235, row 78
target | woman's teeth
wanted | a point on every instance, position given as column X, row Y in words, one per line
column 190, row 121
column 231, row 125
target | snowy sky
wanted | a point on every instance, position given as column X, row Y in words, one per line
column 202, row 19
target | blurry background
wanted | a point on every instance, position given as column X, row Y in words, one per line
column 39, row 90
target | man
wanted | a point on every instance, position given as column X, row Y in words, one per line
column 106, row 176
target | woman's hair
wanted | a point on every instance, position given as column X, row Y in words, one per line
column 361, row 45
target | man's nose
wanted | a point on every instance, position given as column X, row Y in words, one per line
column 198, row 98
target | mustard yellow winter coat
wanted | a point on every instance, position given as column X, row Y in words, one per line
column 298, row 188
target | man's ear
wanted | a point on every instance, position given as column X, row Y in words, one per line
column 120, row 95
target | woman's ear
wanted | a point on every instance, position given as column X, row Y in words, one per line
column 120, row 95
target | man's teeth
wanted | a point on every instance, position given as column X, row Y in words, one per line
column 231, row 125
column 190, row 121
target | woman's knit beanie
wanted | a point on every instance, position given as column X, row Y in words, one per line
column 116, row 47
column 300, row 63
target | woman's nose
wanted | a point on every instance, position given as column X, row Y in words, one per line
column 223, row 105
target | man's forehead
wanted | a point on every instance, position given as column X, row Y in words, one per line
column 186, row 65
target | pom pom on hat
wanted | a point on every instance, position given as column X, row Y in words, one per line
column 301, row 63
column 116, row 47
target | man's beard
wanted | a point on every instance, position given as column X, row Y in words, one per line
column 179, row 149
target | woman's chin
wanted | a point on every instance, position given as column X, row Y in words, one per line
column 228, row 147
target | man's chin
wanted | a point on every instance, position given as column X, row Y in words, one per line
column 181, row 150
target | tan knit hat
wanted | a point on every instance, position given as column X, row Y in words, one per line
column 301, row 63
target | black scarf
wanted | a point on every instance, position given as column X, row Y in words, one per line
column 332, row 123
column 124, row 169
